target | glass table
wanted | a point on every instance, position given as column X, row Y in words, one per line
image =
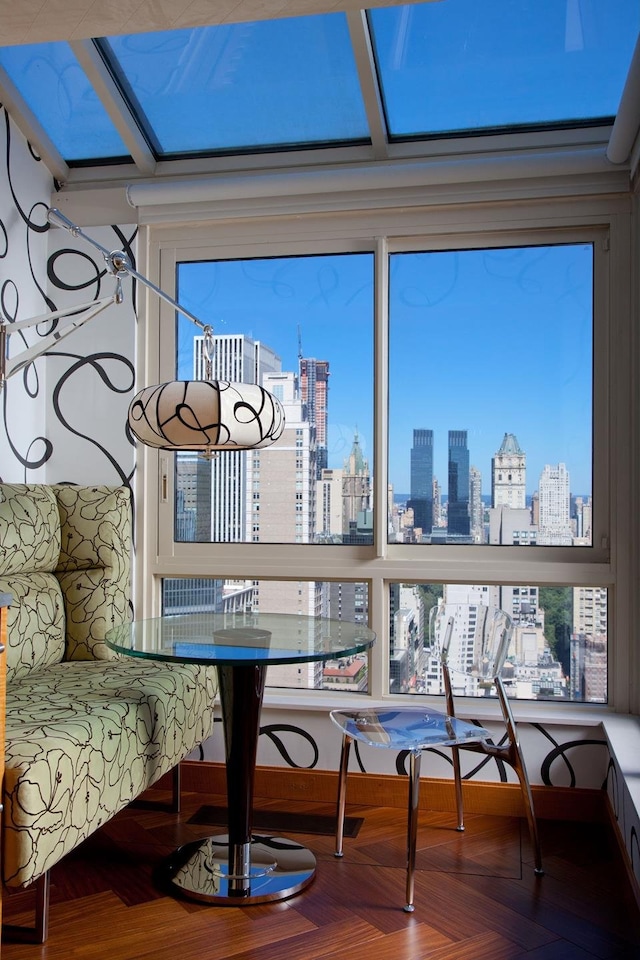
column 236, row 868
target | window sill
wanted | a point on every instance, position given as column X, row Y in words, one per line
column 525, row 711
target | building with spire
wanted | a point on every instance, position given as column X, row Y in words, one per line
column 357, row 520
column 508, row 475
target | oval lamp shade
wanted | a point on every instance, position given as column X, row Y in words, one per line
column 206, row 415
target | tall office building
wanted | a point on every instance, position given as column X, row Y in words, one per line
column 421, row 480
column 459, row 520
column 508, row 474
column 281, row 508
column 235, row 358
column 314, row 392
column 281, row 479
column 476, row 506
column 554, row 506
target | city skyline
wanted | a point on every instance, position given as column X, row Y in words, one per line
column 504, row 335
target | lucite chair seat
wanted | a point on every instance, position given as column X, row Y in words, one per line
column 407, row 729
column 413, row 730
column 471, row 642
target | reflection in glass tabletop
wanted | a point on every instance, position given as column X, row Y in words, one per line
column 265, row 638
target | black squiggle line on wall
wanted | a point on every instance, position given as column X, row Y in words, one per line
column 560, row 751
column 47, row 226
column 93, row 361
column 38, row 228
column 273, row 729
column 25, row 461
column 96, row 278
column 612, row 786
column 545, row 733
column 634, row 853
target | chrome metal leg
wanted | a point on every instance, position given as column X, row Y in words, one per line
column 516, row 760
column 457, row 778
column 342, row 794
column 412, row 826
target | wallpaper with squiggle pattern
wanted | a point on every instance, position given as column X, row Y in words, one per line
column 63, row 419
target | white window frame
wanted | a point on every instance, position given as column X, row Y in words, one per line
column 605, row 221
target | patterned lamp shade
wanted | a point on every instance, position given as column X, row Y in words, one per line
column 206, row 415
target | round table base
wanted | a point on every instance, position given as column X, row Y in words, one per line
column 279, row 869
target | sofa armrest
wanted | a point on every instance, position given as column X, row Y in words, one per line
column 94, row 569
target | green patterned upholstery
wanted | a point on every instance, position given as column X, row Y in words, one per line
column 94, row 565
column 86, row 732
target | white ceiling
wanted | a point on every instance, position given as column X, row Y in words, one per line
column 36, row 21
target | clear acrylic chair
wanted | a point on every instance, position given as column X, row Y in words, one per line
column 471, row 640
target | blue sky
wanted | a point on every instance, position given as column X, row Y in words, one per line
column 488, row 341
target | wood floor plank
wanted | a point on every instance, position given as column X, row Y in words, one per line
column 476, row 896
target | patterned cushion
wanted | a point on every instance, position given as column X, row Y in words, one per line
column 85, row 738
column 35, row 622
column 29, row 528
column 94, row 567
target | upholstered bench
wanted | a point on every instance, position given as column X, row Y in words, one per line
column 86, row 731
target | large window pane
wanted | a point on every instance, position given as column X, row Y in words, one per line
column 491, row 382
column 347, row 601
column 558, row 649
column 302, row 327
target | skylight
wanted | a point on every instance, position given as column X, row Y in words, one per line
column 418, row 72
column 246, row 86
column 460, row 66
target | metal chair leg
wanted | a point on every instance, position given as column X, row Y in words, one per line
column 40, row 931
column 516, row 760
column 457, row 779
column 412, row 826
column 342, row 795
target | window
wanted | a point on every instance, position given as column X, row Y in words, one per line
column 307, row 321
column 473, row 329
column 476, row 455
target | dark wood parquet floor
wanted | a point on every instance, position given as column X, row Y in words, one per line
column 476, row 896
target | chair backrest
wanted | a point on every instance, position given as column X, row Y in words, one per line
column 471, row 638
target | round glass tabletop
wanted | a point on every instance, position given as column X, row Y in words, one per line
column 222, row 638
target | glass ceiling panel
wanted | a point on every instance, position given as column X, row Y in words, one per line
column 57, row 90
column 243, row 86
column 462, row 66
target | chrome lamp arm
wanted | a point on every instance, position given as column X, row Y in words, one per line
column 205, row 416
column 119, row 265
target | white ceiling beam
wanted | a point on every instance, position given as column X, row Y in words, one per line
column 114, row 103
column 31, row 128
column 367, row 75
column 39, row 21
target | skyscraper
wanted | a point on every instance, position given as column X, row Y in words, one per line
column 555, row 504
column 508, row 474
column 421, row 496
column 458, row 502
column 476, row 506
column 235, row 358
column 314, row 391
